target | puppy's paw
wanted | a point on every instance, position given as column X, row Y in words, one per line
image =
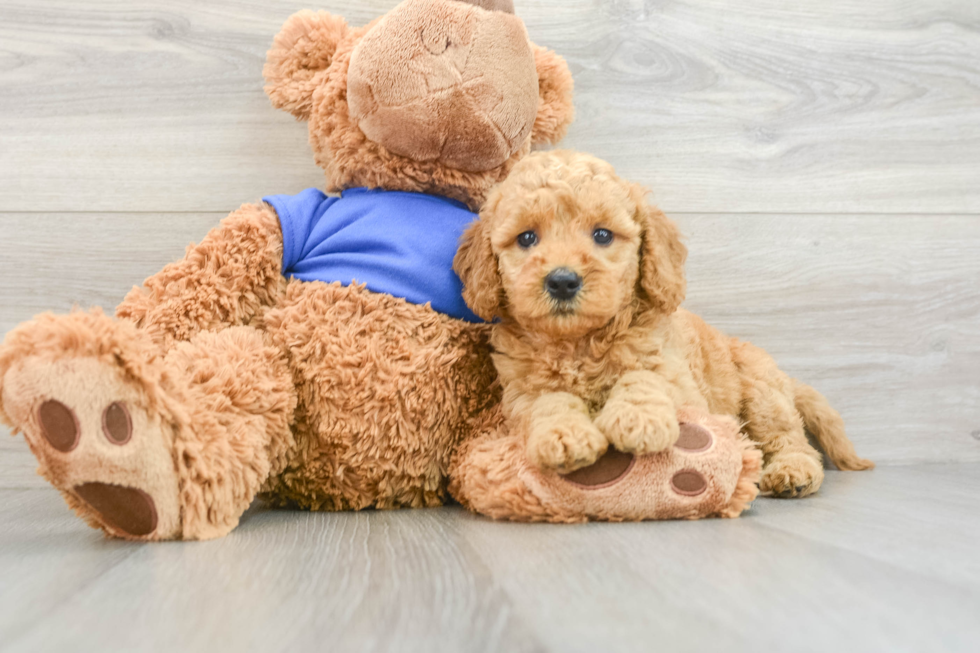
column 636, row 428
column 792, row 474
column 565, row 445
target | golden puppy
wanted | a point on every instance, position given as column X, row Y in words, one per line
column 586, row 278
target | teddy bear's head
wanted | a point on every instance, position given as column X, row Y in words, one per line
column 437, row 96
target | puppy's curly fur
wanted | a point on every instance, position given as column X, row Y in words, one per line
column 612, row 364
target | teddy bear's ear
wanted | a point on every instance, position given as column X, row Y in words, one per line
column 555, row 111
column 302, row 49
column 662, row 255
column 476, row 265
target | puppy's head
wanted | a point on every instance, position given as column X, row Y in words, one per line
column 563, row 245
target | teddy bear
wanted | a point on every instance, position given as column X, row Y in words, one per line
column 311, row 349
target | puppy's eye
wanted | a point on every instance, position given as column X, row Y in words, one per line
column 527, row 239
column 602, row 236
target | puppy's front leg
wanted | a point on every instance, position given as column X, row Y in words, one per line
column 639, row 417
column 561, row 434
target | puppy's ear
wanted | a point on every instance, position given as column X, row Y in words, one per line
column 302, row 49
column 662, row 255
column 555, row 110
column 476, row 265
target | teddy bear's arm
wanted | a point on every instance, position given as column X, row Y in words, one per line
column 225, row 280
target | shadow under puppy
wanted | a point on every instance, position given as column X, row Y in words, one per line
column 591, row 347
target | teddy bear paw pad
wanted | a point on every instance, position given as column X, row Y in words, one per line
column 122, row 508
column 99, row 441
column 58, row 425
column 610, row 468
column 688, row 482
column 694, row 438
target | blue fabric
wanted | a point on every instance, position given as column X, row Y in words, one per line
column 394, row 242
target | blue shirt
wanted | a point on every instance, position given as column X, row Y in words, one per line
column 394, row 242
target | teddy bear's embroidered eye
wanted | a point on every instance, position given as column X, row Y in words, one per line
column 527, row 239
column 602, row 236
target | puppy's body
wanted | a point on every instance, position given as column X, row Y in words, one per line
column 591, row 347
column 694, row 359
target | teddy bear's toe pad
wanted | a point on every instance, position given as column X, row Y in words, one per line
column 116, row 423
column 693, row 438
column 689, row 482
column 58, row 424
column 122, row 508
column 611, row 467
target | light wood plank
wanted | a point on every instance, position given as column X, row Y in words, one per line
column 922, row 518
column 850, row 569
column 288, row 581
column 17, row 465
column 717, row 585
column 880, row 313
column 757, row 106
column 773, row 580
column 54, row 262
column 47, row 555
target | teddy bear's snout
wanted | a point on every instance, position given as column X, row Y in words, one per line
column 456, row 86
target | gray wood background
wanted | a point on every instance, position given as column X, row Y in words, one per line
column 823, row 160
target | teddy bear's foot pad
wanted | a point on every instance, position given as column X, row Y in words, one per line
column 610, row 468
column 59, row 426
column 712, row 470
column 99, row 441
column 122, row 508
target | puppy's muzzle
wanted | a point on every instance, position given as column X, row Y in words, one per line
column 562, row 284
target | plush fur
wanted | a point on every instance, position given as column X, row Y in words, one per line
column 236, row 381
column 614, row 364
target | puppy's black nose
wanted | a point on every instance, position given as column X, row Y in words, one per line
column 562, row 283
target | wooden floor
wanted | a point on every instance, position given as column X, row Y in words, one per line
column 883, row 561
column 823, row 161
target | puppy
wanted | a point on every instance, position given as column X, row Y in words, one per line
column 585, row 278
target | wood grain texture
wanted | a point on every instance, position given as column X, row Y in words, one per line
column 919, row 518
column 757, row 106
column 295, row 582
column 849, row 569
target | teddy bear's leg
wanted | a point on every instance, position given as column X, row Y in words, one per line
column 386, row 390
column 711, row 470
column 142, row 445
